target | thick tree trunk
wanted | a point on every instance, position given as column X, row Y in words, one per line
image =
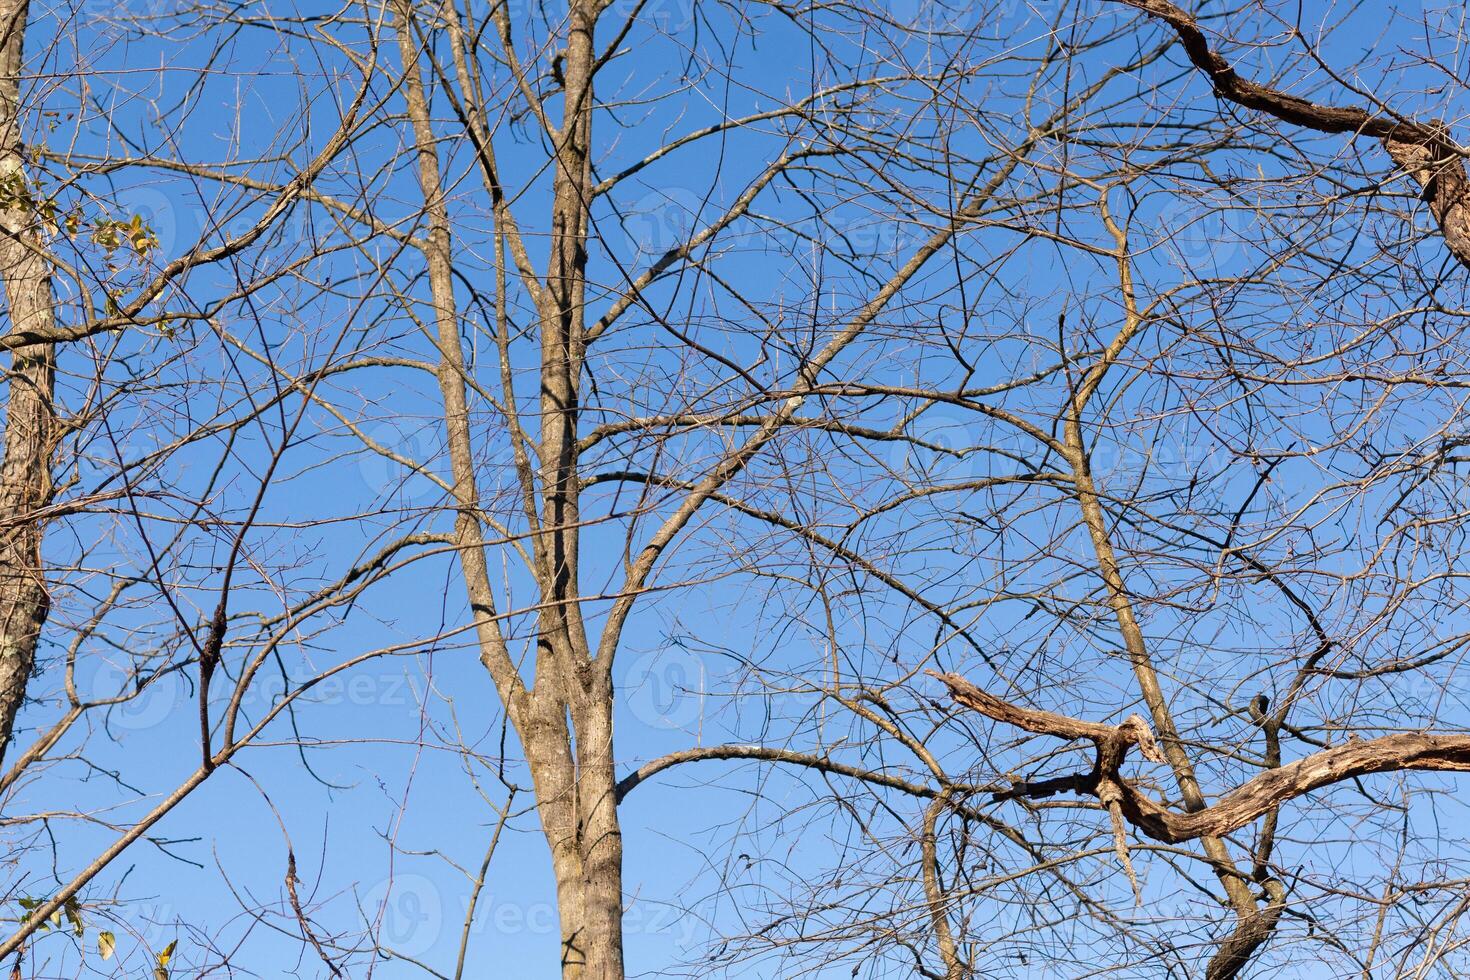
column 602, row 841
column 586, row 843
column 577, row 803
column 30, row 419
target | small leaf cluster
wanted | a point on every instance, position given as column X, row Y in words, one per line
column 111, row 234
column 70, row 915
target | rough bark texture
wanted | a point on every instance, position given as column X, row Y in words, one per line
column 1250, row 934
column 30, row 419
column 1424, row 150
column 586, row 824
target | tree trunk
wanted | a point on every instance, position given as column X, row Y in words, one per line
column 565, row 720
column 602, row 840
column 30, row 420
column 575, row 780
column 577, row 804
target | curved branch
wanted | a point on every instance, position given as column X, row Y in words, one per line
column 1425, row 151
column 820, row 763
column 1403, row 752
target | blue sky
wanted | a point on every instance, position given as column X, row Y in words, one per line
column 392, row 800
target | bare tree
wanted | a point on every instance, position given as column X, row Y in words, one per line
column 578, row 339
column 988, row 392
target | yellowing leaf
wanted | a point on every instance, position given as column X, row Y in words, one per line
column 106, row 945
column 167, row 954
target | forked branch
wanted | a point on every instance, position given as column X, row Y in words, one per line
column 1403, row 752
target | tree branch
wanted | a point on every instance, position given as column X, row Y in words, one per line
column 1425, row 151
column 1402, row 752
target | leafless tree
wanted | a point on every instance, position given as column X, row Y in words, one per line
column 989, row 391
column 141, row 546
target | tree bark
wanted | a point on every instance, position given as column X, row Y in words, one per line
column 586, row 843
column 1401, row 752
column 30, row 420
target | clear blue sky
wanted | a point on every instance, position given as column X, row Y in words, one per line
column 384, row 789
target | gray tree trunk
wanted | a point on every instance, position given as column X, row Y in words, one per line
column 30, row 420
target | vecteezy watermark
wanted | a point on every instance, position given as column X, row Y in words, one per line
column 1448, row 16
column 147, row 698
column 1205, row 237
column 149, row 923
column 933, row 15
column 405, row 913
column 1163, row 457
column 662, row 220
column 114, row 15
column 665, row 688
column 670, row 218
column 939, row 445
column 1000, row 17
column 494, row 914
column 397, row 465
column 664, row 16
column 156, row 211
column 169, row 694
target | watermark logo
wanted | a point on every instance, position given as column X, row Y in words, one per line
column 112, row 16
column 664, row 16
column 937, row 446
column 666, row 688
column 157, row 212
column 173, row 694
column 663, row 220
column 407, row 914
column 144, row 707
column 1448, row 16
column 399, row 468
column 951, row 17
column 1205, row 237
